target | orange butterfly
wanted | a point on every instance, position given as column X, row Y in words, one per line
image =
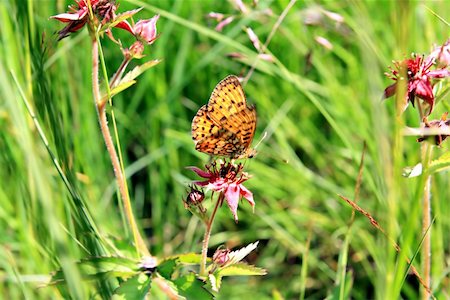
column 226, row 125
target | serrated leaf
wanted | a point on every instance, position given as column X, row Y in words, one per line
column 190, row 258
column 410, row 172
column 167, row 267
column 242, row 269
column 192, row 288
column 238, row 255
column 440, row 164
column 215, row 280
column 134, row 288
column 187, row 259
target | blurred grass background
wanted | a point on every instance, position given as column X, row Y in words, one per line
column 317, row 105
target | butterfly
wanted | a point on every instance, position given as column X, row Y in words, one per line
column 226, row 125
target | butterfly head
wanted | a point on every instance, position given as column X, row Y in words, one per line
column 249, row 153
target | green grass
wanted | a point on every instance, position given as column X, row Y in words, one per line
column 317, row 114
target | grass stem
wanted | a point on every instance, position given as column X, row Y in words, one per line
column 426, row 149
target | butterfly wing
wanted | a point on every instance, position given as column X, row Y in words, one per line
column 227, row 106
column 212, row 138
column 247, row 127
column 226, row 103
column 226, row 125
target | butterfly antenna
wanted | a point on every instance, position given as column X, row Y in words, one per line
column 261, row 139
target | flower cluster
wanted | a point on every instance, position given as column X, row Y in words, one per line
column 104, row 12
column 78, row 16
column 226, row 178
column 420, row 80
column 420, row 74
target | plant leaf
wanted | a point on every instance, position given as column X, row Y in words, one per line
column 440, row 164
column 242, row 269
column 136, row 287
column 128, row 79
column 138, row 70
column 215, row 280
column 119, row 88
column 187, row 259
column 167, row 267
column 192, row 288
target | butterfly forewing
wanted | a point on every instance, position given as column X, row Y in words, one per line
column 226, row 125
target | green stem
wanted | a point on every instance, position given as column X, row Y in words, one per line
column 208, row 235
column 118, row 171
column 426, row 149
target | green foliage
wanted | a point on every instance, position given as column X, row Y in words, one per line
column 316, row 104
column 191, row 287
column 136, row 287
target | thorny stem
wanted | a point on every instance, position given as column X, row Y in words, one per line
column 208, row 235
column 120, row 178
column 426, row 150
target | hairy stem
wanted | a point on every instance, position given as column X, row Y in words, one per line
column 118, row 172
column 208, row 235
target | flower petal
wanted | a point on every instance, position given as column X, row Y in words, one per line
column 425, row 91
column 390, row 91
column 442, row 73
column 224, row 23
column 126, row 26
column 232, row 197
column 244, row 192
column 66, row 17
column 217, row 185
column 146, row 29
column 200, row 172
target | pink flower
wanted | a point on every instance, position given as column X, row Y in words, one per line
column 194, row 198
column 79, row 16
column 216, row 16
column 442, row 54
column 224, row 23
column 146, row 30
column 419, row 76
column 221, row 256
column 227, row 179
column 254, row 39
